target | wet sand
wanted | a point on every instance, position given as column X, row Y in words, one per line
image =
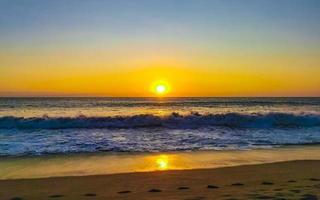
column 281, row 180
column 116, row 163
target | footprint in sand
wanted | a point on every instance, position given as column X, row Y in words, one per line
column 212, row 187
column 237, row 184
column 183, row 188
column 155, row 190
column 267, row 183
column 56, row 196
column 124, row 192
column 295, row 191
column 90, row 195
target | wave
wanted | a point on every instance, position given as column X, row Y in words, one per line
column 172, row 121
column 103, row 102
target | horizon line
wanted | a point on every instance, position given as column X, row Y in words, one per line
column 159, row 97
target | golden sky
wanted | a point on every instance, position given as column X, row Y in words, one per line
column 81, row 49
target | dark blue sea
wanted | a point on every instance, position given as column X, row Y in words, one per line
column 40, row 126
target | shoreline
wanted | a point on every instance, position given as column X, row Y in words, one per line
column 164, row 171
column 119, row 163
column 290, row 179
column 119, row 153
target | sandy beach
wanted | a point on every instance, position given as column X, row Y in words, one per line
column 159, row 99
column 281, row 180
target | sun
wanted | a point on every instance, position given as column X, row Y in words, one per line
column 160, row 88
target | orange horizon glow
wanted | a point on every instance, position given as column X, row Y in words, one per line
column 183, row 82
column 199, row 48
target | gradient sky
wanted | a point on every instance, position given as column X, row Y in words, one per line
column 121, row 47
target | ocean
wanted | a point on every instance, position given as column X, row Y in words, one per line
column 42, row 126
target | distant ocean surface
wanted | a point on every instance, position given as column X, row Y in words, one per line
column 39, row 126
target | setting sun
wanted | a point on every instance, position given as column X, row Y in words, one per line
column 160, row 88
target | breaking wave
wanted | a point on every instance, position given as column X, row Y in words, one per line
column 172, row 121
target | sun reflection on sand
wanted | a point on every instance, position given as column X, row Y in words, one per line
column 162, row 162
column 106, row 163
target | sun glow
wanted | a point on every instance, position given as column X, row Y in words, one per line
column 162, row 162
column 160, row 88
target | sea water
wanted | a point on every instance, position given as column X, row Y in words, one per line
column 41, row 126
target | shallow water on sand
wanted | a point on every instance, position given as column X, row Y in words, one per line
column 111, row 163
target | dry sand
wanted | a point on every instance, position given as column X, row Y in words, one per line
column 282, row 180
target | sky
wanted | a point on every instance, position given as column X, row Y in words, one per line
column 123, row 47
